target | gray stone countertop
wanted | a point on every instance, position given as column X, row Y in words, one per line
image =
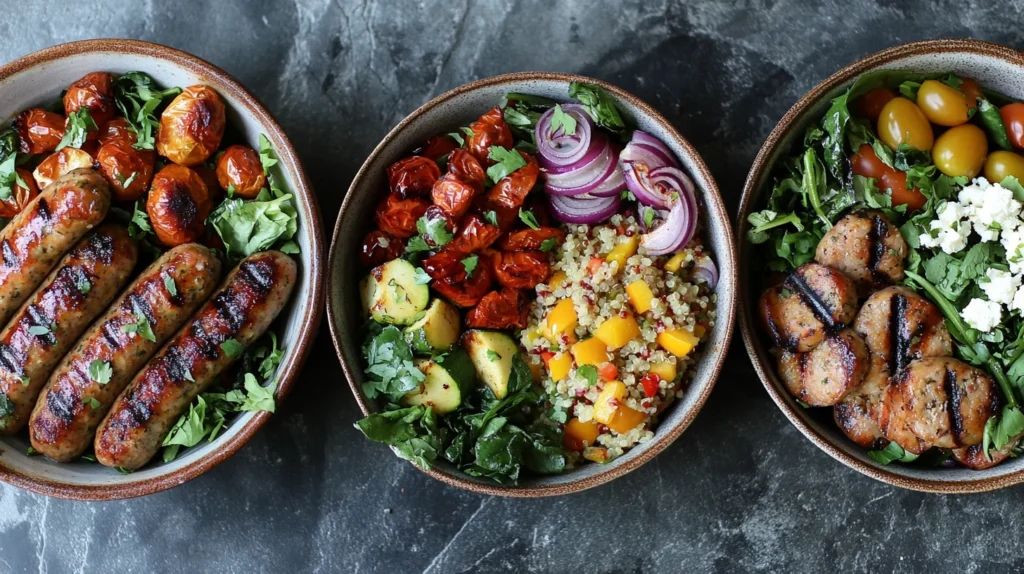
column 742, row 490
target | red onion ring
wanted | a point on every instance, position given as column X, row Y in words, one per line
column 681, row 223
column 589, row 210
column 707, row 271
column 656, row 147
column 614, row 185
column 589, row 175
column 559, row 149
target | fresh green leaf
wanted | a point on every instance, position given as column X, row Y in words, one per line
column 169, row 284
column 562, row 121
column 492, row 356
column 258, row 398
column 389, row 365
column 92, row 402
column 470, row 263
column 647, row 214
column 31, row 451
column 39, row 330
column 909, row 89
column 1002, row 430
column 588, row 372
column 421, row 277
column 507, row 162
column 548, row 244
column 6, row 406
column 434, row 231
column 140, row 327
column 528, row 218
column 77, row 129
column 83, row 284
column 100, row 371
column 232, row 348
column 250, row 226
column 762, row 221
column 139, row 226
column 458, row 138
column 138, row 98
column 491, row 217
column 598, row 104
column 990, row 119
column 891, row 453
column 290, row 247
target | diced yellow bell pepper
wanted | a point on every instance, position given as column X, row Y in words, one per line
column 617, row 331
column 579, row 435
column 665, row 370
column 609, row 409
column 559, row 365
column 675, row 262
column 623, row 251
column 679, row 342
column 561, row 320
column 640, row 295
column 592, row 351
column 597, row 454
column 556, row 279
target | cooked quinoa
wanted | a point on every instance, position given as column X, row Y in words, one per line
column 597, row 289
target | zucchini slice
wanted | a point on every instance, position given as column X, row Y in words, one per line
column 436, row 331
column 445, row 384
column 397, row 298
column 491, row 353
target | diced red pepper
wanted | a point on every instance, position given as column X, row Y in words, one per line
column 650, row 382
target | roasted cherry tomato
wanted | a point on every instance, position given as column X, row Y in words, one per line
column 453, row 195
column 475, row 235
column 20, row 194
column 866, row 163
column 650, row 383
column 379, row 248
column 521, row 269
column 505, row 309
column 40, row 131
column 489, row 130
column 971, row 91
column 59, row 163
column 433, row 215
column 464, row 166
column 545, row 238
column 896, row 182
column 468, row 291
column 192, row 126
column 398, row 216
column 178, row 205
column 902, row 121
column 512, row 190
column 943, row 105
column 870, row 104
column 1013, row 118
column 117, row 129
column 961, row 151
column 94, row 92
column 437, row 147
column 239, row 168
column 1001, row 164
column 413, row 176
column 128, row 170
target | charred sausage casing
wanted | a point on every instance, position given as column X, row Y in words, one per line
column 252, row 296
column 40, row 334
column 867, row 247
column 33, row 242
column 71, row 406
column 812, row 303
column 823, row 376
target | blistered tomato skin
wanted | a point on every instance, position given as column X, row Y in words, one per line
column 896, row 182
column 961, row 151
column 128, row 170
column 943, row 105
column 117, row 130
column 40, row 131
column 178, row 205
column 413, row 176
column 94, row 92
column 436, row 147
column 1013, row 117
column 453, row 195
column 20, row 194
column 901, row 121
column 1002, row 164
column 378, row 248
column 489, row 130
column 398, row 216
column 512, row 190
column 239, row 168
column 870, row 104
column 866, row 163
column 192, row 126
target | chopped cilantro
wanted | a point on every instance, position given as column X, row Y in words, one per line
column 92, row 402
column 232, row 348
column 528, row 218
column 100, row 371
column 588, row 372
column 562, row 121
column 507, row 162
column 470, row 263
column 493, row 356
column 172, row 289
column 548, row 244
column 77, row 128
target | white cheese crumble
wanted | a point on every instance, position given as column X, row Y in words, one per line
column 982, row 315
column 1001, row 286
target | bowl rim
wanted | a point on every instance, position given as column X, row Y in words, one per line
column 725, row 314
column 760, row 167
column 309, row 324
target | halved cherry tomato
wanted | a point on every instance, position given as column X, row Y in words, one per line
column 1013, row 117
column 942, row 105
column 961, row 151
column 896, row 182
column 489, row 130
column 398, row 216
column 650, row 383
column 972, row 91
column 453, row 195
column 521, row 269
column 505, row 309
column 609, row 372
column 866, row 163
column 413, row 176
column 902, row 121
column 870, row 104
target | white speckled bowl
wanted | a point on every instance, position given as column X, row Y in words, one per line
column 459, row 107
column 994, row 67
column 38, row 79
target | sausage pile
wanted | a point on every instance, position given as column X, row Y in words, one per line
column 507, row 256
column 885, row 367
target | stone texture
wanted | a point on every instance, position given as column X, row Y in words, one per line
column 740, row 491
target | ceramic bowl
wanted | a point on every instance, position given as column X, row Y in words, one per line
column 37, row 79
column 994, row 67
column 445, row 114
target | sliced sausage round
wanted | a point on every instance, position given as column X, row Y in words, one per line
column 901, row 326
column 893, row 418
column 823, row 376
column 867, row 247
column 813, row 302
column 858, row 413
column 973, row 457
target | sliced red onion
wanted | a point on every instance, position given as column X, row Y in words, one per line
column 558, row 148
column 681, row 223
column 637, row 175
column 598, row 144
column 706, row 271
column 589, row 175
column 584, row 210
column 614, row 185
column 656, row 147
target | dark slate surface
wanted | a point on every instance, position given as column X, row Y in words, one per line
column 741, row 490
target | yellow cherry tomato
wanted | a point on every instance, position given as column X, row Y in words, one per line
column 961, row 151
column 1001, row 164
column 941, row 104
column 902, row 121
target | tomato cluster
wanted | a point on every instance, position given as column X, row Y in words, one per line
column 489, row 258
column 938, row 121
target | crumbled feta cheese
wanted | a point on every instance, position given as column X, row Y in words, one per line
column 1001, row 286
column 1018, row 301
column 982, row 315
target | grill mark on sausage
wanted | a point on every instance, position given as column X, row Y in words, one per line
column 899, row 333
column 178, row 364
column 12, row 360
column 259, row 274
column 876, row 236
column 61, row 401
column 100, row 247
column 956, row 420
column 138, row 412
column 140, row 306
column 812, row 301
column 10, row 258
column 208, row 344
column 39, row 318
column 43, row 209
column 111, row 334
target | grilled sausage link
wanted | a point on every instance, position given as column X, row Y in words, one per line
column 33, row 242
column 49, row 323
column 901, row 326
column 252, row 296
column 823, row 376
column 973, row 457
column 865, row 246
column 812, row 303
column 63, row 424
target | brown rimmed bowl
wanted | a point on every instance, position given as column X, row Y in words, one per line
column 445, row 114
column 995, row 67
column 37, row 79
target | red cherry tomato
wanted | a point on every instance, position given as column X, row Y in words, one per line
column 896, row 182
column 870, row 104
column 1013, row 117
column 971, row 91
column 867, row 164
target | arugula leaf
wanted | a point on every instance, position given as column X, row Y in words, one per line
column 470, row 263
column 232, row 348
column 9, row 159
column 528, row 218
column 100, row 371
column 78, row 126
column 768, row 219
column 598, row 104
column 562, row 121
column 907, row 157
column 507, row 162
column 1002, row 430
column 992, row 121
column 588, row 372
column 834, row 125
column 891, row 453
column 189, row 431
column 138, row 98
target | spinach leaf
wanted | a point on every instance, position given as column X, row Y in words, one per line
column 250, row 226
column 413, row 431
column 992, row 121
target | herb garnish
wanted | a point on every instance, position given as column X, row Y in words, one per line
column 100, row 371
column 79, row 124
column 528, row 218
column 507, row 162
column 138, row 98
column 562, row 121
